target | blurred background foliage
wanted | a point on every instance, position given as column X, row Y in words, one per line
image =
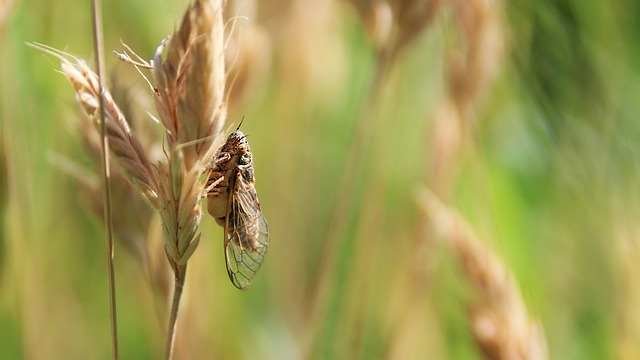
column 352, row 107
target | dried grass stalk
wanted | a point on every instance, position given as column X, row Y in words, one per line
column 189, row 95
column 500, row 322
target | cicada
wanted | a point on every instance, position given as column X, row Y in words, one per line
column 233, row 203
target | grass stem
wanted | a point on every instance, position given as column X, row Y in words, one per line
column 97, row 43
column 181, row 275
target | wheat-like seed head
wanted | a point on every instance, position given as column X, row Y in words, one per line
column 126, row 150
column 137, row 174
column 392, row 24
column 190, row 81
column 412, row 17
column 473, row 65
column 132, row 216
column 189, row 95
column 499, row 318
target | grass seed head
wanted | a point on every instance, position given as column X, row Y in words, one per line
column 125, row 148
column 190, row 81
column 499, row 319
column 189, row 71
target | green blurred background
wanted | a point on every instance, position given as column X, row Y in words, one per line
column 342, row 142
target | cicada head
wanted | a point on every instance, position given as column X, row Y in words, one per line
column 236, row 144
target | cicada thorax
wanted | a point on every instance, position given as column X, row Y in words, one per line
column 223, row 169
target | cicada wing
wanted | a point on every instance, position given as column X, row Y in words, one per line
column 247, row 234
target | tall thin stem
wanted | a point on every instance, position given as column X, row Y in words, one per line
column 180, row 276
column 106, row 194
column 354, row 167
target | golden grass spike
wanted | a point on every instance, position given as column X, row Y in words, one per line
column 500, row 322
column 124, row 146
column 191, row 79
column 188, row 69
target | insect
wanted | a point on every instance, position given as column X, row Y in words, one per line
column 233, row 203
